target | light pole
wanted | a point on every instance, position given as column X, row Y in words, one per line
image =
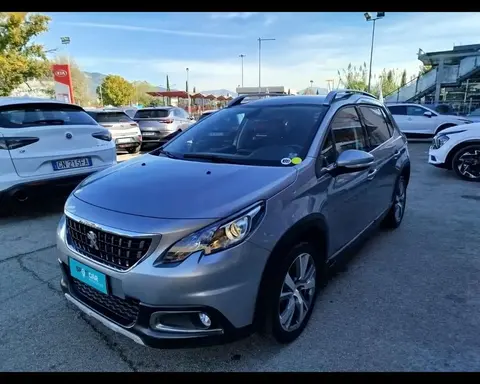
column 241, row 57
column 188, row 96
column 368, row 17
column 260, row 62
column 66, row 41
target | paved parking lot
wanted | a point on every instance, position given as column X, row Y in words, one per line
column 409, row 300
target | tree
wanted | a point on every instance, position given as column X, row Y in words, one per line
column 142, row 97
column 116, row 91
column 194, row 90
column 403, row 81
column 168, row 84
column 317, row 92
column 21, row 59
column 289, row 91
column 424, row 69
column 354, row 77
column 389, row 80
column 81, row 91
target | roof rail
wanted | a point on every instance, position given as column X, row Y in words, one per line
column 345, row 94
column 238, row 100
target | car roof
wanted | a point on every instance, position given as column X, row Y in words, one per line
column 156, row 108
column 26, row 100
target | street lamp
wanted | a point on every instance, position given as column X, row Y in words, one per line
column 368, row 17
column 241, row 57
column 66, row 41
column 188, row 96
column 260, row 62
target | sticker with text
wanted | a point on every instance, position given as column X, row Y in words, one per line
column 286, row 161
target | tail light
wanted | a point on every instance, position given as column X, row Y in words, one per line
column 166, row 121
column 9, row 143
column 134, row 124
column 105, row 136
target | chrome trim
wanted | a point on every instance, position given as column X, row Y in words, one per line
column 114, row 231
column 103, row 320
column 166, row 328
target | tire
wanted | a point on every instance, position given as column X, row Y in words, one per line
column 397, row 210
column 134, row 150
column 282, row 296
column 466, row 163
column 5, row 207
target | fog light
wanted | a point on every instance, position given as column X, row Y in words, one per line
column 205, row 319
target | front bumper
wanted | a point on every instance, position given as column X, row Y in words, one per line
column 224, row 286
column 438, row 156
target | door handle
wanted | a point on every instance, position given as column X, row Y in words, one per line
column 371, row 174
column 397, row 154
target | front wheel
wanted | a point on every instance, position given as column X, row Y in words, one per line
column 466, row 163
column 293, row 291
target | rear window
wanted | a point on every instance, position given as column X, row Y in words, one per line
column 151, row 113
column 110, row 117
column 40, row 114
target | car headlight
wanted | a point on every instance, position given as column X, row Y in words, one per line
column 216, row 237
column 442, row 139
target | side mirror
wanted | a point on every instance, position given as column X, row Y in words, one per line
column 192, row 118
column 428, row 114
column 353, row 160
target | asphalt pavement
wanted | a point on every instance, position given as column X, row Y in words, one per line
column 408, row 301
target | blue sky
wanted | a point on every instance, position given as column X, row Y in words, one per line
column 308, row 46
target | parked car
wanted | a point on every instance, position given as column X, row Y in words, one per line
column 125, row 132
column 418, row 120
column 474, row 115
column 161, row 124
column 458, row 148
column 206, row 113
column 46, row 143
column 130, row 111
column 236, row 226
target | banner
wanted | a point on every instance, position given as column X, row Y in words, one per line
column 63, row 83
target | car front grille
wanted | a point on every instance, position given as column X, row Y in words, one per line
column 115, row 251
column 122, row 311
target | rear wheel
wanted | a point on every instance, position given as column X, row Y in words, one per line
column 395, row 214
column 466, row 163
column 134, row 150
column 292, row 292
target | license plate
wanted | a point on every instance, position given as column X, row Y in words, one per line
column 148, row 133
column 124, row 140
column 80, row 162
column 89, row 276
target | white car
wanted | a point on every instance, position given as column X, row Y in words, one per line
column 46, row 143
column 458, row 148
column 415, row 119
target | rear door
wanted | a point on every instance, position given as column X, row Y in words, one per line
column 382, row 146
column 399, row 113
column 39, row 134
column 418, row 122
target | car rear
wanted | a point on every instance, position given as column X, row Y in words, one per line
column 157, row 125
column 125, row 132
column 48, row 141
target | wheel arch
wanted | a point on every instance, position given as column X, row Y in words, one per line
column 456, row 148
column 312, row 228
column 443, row 126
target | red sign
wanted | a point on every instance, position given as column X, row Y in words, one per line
column 63, row 82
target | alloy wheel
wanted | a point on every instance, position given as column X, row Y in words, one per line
column 297, row 293
column 400, row 197
column 468, row 164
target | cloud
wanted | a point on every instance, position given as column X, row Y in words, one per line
column 269, row 19
column 294, row 61
column 233, row 15
column 133, row 28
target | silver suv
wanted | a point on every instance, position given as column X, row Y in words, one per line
column 238, row 221
column 160, row 124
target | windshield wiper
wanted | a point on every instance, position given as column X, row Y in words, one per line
column 53, row 121
column 211, row 157
column 166, row 153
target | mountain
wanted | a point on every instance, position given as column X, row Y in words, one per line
column 94, row 80
column 220, row 92
column 313, row 91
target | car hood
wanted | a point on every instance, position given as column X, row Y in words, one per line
column 464, row 127
column 160, row 187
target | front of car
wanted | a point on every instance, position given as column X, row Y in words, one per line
column 448, row 139
column 185, row 260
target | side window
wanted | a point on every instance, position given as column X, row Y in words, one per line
column 377, row 128
column 347, row 131
column 183, row 113
column 388, row 118
column 398, row 110
column 328, row 151
column 415, row 111
column 177, row 113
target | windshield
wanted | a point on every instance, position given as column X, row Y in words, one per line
column 39, row 114
column 251, row 135
column 151, row 113
column 110, row 117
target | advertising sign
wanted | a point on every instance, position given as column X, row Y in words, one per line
column 63, row 83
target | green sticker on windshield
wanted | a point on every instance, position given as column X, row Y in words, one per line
column 296, row 160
